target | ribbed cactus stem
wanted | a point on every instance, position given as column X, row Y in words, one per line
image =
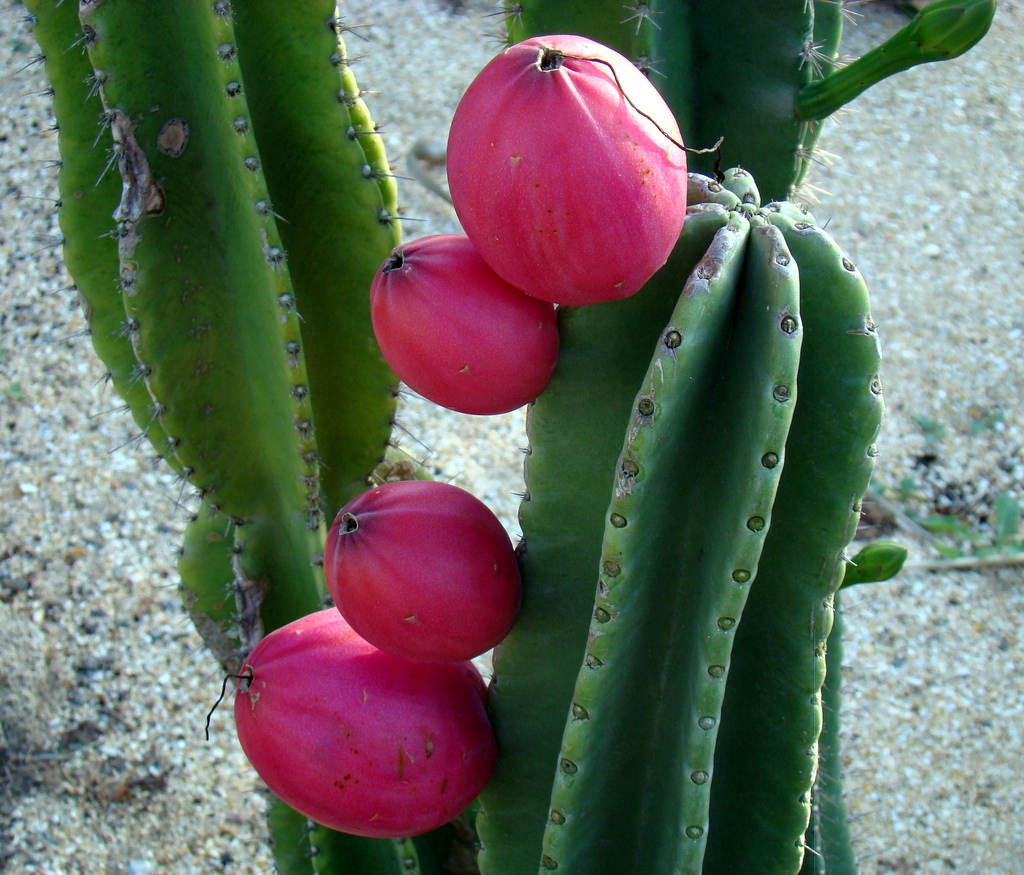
column 90, row 190
column 941, row 31
column 690, row 49
column 576, row 436
column 766, row 758
column 328, row 179
column 708, row 431
column 218, row 607
column 830, row 848
column 206, row 288
column 621, row 26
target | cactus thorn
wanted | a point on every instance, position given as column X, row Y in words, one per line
column 513, row 12
column 496, row 38
column 816, row 155
column 50, row 241
column 646, row 65
column 641, row 12
column 812, row 55
column 849, row 13
column 38, row 59
column 264, row 209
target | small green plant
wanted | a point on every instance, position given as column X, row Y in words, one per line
column 986, row 420
column 934, row 431
column 964, row 540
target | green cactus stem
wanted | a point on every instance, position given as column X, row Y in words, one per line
column 644, row 641
column 209, row 591
column 188, row 292
column 725, row 70
column 90, row 190
column 753, row 91
column 941, row 31
column 301, row 847
column 621, row 26
column 829, row 843
column 576, row 431
column 205, row 286
column 329, row 180
column 170, row 214
column 828, row 839
column 828, row 34
column 766, row 757
column 715, row 405
column 762, row 75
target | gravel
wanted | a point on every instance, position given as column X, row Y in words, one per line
column 106, row 687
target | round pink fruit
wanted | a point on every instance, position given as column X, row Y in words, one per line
column 423, row 570
column 456, row 332
column 568, row 191
column 359, row 740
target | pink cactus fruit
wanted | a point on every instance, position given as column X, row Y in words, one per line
column 563, row 173
column 456, row 332
column 359, row 740
column 423, row 570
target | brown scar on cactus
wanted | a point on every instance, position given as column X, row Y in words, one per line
column 142, row 195
column 173, row 137
column 249, row 596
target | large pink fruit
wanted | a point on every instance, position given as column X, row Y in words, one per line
column 357, row 739
column 423, row 570
column 567, row 190
column 456, row 332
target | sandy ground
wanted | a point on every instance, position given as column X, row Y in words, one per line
column 105, row 688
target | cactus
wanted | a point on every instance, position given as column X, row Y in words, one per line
column 761, row 76
column 192, row 301
column 691, row 585
column 224, row 207
column 667, row 700
column 730, row 412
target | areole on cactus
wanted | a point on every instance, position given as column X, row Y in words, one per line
column 695, row 463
